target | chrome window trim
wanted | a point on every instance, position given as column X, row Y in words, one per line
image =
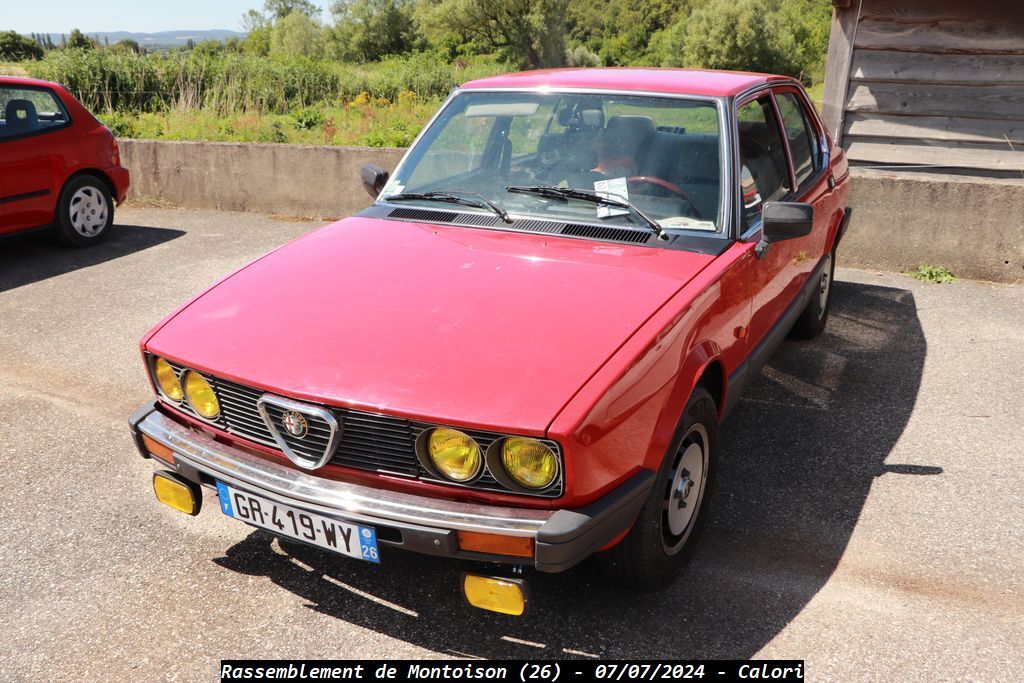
column 725, row 206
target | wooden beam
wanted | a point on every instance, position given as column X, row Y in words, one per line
column 837, row 67
column 909, row 99
column 950, row 35
column 992, row 131
column 926, row 67
column 941, row 157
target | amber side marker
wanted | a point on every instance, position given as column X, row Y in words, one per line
column 496, row 544
column 495, row 594
column 158, row 450
column 172, row 490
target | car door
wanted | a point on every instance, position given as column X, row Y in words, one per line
column 766, row 175
column 34, row 130
column 805, row 141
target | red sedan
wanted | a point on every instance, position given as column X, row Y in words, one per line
column 520, row 355
column 59, row 167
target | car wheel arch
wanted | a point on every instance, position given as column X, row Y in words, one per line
column 95, row 173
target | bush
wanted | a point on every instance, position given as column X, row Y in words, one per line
column 16, row 47
column 307, row 119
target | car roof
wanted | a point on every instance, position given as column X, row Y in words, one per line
column 658, row 80
column 20, row 80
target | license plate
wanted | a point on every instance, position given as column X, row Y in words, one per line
column 349, row 539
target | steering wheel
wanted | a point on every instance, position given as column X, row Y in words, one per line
column 671, row 187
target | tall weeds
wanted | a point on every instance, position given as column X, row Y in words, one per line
column 234, row 83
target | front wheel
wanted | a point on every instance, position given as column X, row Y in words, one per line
column 85, row 211
column 664, row 536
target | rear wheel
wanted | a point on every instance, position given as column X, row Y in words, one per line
column 812, row 321
column 665, row 534
column 85, row 211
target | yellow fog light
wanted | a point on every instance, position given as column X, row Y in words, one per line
column 506, row 596
column 172, row 490
column 167, row 380
column 529, row 462
column 454, row 454
column 200, row 395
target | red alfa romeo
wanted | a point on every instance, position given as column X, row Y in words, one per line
column 59, row 166
column 521, row 353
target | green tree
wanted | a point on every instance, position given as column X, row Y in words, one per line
column 366, row 30
column 297, row 35
column 16, row 47
column 126, row 46
column 77, row 39
column 526, row 32
column 258, row 30
column 279, row 9
column 736, row 34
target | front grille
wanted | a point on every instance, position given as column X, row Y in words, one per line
column 368, row 441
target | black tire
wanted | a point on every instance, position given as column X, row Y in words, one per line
column 651, row 555
column 79, row 219
column 812, row 321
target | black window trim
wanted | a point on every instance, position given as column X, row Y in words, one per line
column 753, row 232
column 807, row 116
column 40, row 131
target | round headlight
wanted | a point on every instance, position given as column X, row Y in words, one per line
column 200, row 395
column 530, row 463
column 167, row 380
column 454, row 454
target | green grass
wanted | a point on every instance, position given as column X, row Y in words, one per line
column 817, row 94
column 935, row 275
column 365, row 121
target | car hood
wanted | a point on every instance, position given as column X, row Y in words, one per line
column 469, row 326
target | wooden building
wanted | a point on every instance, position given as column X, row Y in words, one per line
column 928, row 85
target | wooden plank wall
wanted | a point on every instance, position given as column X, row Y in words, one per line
column 935, row 83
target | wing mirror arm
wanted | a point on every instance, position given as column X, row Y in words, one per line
column 783, row 221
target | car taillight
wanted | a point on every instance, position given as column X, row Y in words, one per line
column 115, row 152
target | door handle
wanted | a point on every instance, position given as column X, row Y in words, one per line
column 831, row 182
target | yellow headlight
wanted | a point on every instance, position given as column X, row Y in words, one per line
column 167, row 380
column 454, row 454
column 200, row 395
column 529, row 462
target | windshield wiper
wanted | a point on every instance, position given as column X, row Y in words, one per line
column 453, row 197
column 567, row 193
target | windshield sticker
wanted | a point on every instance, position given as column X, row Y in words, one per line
column 687, row 223
column 613, row 188
column 393, row 186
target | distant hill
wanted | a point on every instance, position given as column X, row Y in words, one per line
column 160, row 38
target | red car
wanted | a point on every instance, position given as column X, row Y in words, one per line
column 59, row 166
column 520, row 355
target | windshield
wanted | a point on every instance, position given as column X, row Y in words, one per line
column 659, row 155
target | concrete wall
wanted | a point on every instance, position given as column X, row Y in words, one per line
column 291, row 180
column 973, row 227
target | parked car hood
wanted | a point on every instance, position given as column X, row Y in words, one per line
column 469, row 326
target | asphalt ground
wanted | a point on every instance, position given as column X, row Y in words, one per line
column 868, row 517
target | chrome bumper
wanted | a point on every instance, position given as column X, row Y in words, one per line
column 424, row 524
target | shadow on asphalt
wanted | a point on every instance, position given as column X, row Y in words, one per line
column 39, row 255
column 800, row 453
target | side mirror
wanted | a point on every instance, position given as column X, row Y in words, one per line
column 374, row 178
column 784, row 221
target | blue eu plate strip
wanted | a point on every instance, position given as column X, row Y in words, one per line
column 225, row 500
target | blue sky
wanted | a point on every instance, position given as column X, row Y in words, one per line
column 60, row 16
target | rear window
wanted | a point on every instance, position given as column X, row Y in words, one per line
column 29, row 110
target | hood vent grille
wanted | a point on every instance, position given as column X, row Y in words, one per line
column 604, row 233
column 423, row 215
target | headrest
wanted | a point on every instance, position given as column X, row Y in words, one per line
column 21, row 114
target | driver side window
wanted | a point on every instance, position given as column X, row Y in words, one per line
column 764, row 172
